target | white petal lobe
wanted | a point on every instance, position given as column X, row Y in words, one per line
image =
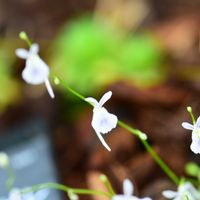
column 128, row 187
column 169, row 194
column 187, row 125
column 105, row 98
column 93, row 101
column 103, row 141
column 22, row 53
column 34, row 49
column 49, row 88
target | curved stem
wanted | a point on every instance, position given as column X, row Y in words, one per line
column 140, row 135
column 64, row 189
column 107, row 183
column 11, row 177
column 154, row 155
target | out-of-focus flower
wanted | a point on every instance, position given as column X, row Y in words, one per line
column 128, row 192
column 36, row 70
column 102, row 121
column 195, row 145
column 15, row 194
column 4, row 160
column 186, row 191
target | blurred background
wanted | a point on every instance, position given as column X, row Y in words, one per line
column 146, row 51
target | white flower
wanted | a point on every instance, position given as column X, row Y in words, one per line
column 102, row 121
column 195, row 145
column 186, row 191
column 15, row 194
column 36, row 70
column 128, row 192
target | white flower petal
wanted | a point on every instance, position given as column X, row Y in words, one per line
column 15, row 194
column 105, row 98
column 36, row 70
column 187, row 125
column 128, row 187
column 42, row 194
column 197, row 125
column 34, row 49
column 103, row 121
column 49, row 88
column 145, row 198
column 119, row 197
column 169, row 194
column 93, row 101
column 22, row 53
column 103, row 141
column 195, row 147
column 29, row 196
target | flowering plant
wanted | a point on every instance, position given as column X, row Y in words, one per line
column 36, row 72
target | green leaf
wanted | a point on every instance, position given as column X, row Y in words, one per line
column 89, row 55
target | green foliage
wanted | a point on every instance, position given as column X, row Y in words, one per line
column 88, row 54
column 9, row 86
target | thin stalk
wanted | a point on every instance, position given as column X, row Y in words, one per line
column 64, row 189
column 141, row 136
column 155, row 156
column 189, row 109
column 69, row 89
column 107, row 183
column 23, row 35
column 11, row 177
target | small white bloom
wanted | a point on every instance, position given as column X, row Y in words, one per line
column 15, row 194
column 186, row 191
column 102, row 121
column 4, row 160
column 36, row 70
column 128, row 192
column 195, row 145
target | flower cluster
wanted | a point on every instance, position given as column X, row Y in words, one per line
column 36, row 72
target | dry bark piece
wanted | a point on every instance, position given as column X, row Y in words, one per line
column 158, row 95
column 141, row 168
column 179, row 34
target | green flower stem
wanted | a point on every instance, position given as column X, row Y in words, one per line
column 11, row 177
column 140, row 135
column 107, row 183
column 155, row 156
column 65, row 189
column 189, row 109
column 23, row 35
